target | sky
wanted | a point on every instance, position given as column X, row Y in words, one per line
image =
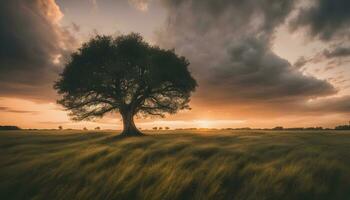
column 258, row 63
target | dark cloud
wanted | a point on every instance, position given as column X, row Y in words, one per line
column 301, row 62
column 326, row 19
column 341, row 51
column 31, row 42
column 7, row 109
column 335, row 104
column 334, row 57
column 255, row 72
column 229, row 45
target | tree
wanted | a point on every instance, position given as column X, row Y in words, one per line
column 126, row 75
column 278, row 128
column 60, row 127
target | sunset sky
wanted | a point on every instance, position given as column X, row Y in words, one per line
column 258, row 63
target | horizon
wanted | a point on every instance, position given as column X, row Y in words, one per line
column 266, row 64
column 160, row 128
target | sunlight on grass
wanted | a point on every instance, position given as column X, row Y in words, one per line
column 175, row 165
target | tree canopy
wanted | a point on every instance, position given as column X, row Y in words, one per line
column 127, row 75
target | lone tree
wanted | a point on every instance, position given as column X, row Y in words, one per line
column 126, row 75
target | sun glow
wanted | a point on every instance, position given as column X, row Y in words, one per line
column 204, row 123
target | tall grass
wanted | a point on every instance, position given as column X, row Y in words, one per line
column 199, row 165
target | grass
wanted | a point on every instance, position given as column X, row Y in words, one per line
column 175, row 165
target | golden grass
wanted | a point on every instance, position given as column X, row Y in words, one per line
column 175, row 165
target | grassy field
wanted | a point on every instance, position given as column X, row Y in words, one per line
column 175, row 165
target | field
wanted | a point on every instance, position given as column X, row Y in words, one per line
column 175, row 165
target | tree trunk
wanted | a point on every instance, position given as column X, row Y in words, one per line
column 129, row 128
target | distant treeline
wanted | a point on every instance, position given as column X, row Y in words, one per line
column 265, row 129
column 343, row 127
column 9, row 128
column 277, row 128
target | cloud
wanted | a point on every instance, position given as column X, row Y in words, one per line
column 9, row 110
column 334, row 57
column 340, row 51
column 228, row 43
column 301, row 62
column 31, row 38
column 334, row 104
column 325, row 19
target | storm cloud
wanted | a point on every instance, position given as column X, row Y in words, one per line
column 229, row 44
column 325, row 19
column 32, row 42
